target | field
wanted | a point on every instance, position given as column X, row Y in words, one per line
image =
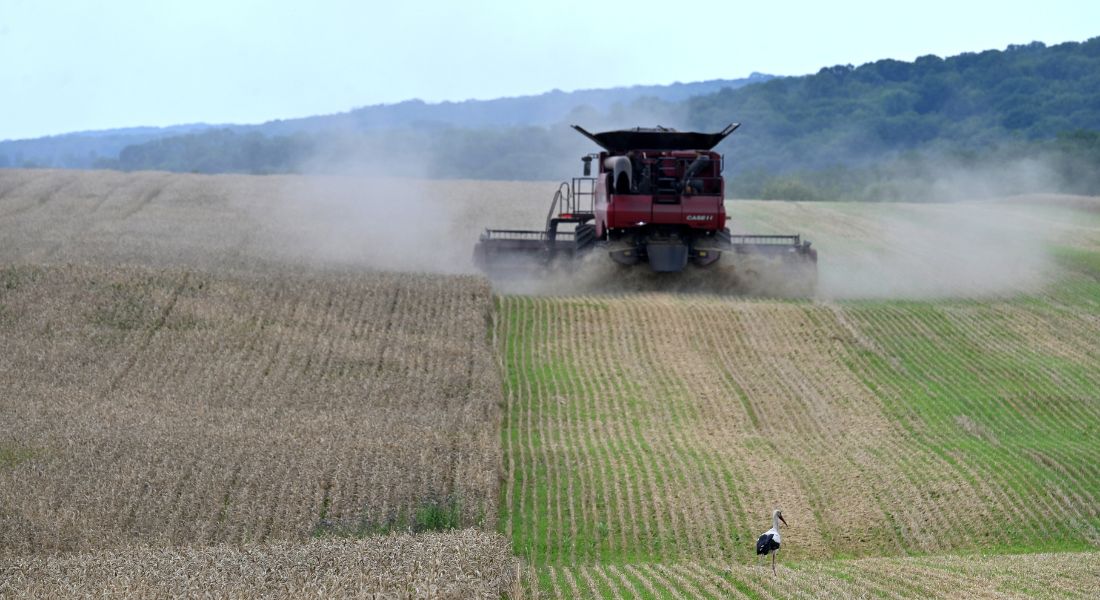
column 208, row 377
column 648, row 436
column 1066, row 575
column 889, row 429
column 175, row 408
column 465, row 564
column 254, row 224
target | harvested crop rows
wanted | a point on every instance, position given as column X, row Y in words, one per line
column 252, row 224
column 171, row 407
column 462, row 564
column 660, row 430
column 1006, row 394
column 222, row 386
column 1063, row 575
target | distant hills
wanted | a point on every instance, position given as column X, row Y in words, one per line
column 541, row 110
column 95, row 148
column 843, row 132
column 81, row 150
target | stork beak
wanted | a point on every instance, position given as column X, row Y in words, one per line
column 784, row 521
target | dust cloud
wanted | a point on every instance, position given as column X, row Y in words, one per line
column 972, row 234
column 866, row 250
column 359, row 207
column 879, row 250
column 375, row 223
column 597, row 273
column 964, row 249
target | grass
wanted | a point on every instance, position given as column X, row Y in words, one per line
column 11, row 455
column 14, row 276
column 962, row 364
column 429, row 514
column 1083, row 261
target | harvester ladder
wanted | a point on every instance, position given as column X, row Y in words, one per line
column 562, row 198
column 584, row 194
column 573, row 201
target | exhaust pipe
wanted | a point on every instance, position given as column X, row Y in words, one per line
column 620, row 167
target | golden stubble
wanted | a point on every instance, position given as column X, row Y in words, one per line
column 460, row 564
column 169, row 407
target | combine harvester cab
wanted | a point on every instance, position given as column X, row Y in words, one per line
column 657, row 197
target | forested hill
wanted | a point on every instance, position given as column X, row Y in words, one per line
column 963, row 103
column 819, row 135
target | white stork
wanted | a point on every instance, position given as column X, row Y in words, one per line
column 769, row 541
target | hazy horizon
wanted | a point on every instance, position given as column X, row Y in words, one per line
column 132, row 64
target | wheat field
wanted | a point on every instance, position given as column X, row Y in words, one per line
column 462, row 564
column 247, row 224
column 170, row 407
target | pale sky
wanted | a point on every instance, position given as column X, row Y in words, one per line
column 71, row 65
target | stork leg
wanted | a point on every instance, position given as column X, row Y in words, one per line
column 773, row 564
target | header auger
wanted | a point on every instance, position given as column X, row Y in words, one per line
column 657, row 197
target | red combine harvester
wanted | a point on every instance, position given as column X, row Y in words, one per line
column 657, row 197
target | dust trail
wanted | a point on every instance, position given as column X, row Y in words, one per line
column 990, row 248
column 969, row 235
column 964, row 249
column 976, row 249
column 362, row 204
column 390, row 224
column 900, row 250
column 978, row 239
column 597, row 273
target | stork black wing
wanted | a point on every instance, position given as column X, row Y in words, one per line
column 766, row 544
